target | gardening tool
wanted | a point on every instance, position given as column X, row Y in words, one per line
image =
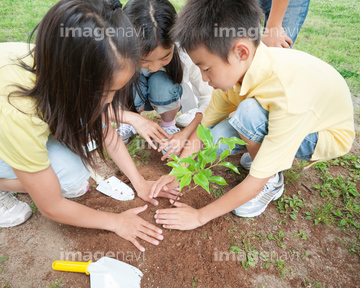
column 105, row 273
column 112, row 187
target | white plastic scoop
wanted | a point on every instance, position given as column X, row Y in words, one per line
column 112, row 187
column 105, row 273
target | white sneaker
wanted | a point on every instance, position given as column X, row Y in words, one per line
column 126, row 131
column 246, row 161
column 12, row 211
column 171, row 129
column 76, row 192
column 272, row 191
column 185, row 119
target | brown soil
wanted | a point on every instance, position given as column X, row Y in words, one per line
column 186, row 258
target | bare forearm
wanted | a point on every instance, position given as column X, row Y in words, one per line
column 75, row 214
column 117, row 150
column 237, row 196
column 188, row 130
column 277, row 12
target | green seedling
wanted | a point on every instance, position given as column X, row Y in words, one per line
column 302, row 234
column 199, row 171
column 56, row 284
column 2, row 259
column 260, row 236
column 195, row 282
column 282, row 267
column 290, row 205
column 34, row 207
column 323, row 214
column 217, row 191
column 277, row 238
column 249, row 253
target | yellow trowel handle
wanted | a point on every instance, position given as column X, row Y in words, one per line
column 70, row 266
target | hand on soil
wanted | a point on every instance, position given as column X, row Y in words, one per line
column 183, row 217
column 166, row 184
column 144, row 193
column 130, row 227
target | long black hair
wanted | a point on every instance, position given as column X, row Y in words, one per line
column 74, row 62
column 153, row 21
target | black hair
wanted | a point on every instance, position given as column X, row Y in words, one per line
column 153, row 21
column 73, row 70
column 203, row 22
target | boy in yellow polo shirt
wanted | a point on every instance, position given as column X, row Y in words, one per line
column 287, row 104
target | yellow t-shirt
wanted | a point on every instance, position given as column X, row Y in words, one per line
column 303, row 95
column 23, row 137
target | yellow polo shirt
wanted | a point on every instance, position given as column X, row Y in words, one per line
column 303, row 95
column 23, row 136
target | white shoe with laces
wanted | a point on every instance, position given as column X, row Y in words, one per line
column 12, row 211
column 272, row 191
column 126, row 131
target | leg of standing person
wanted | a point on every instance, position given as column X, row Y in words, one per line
column 294, row 17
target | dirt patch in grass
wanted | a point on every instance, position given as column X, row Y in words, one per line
column 197, row 258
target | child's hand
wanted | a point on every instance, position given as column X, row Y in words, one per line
column 177, row 143
column 166, row 184
column 183, row 217
column 143, row 190
column 130, row 226
column 149, row 130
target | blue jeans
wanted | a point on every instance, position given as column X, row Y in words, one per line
column 159, row 93
column 68, row 167
column 251, row 120
column 294, row 17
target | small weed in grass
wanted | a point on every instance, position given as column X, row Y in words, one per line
column 302, row 234
column 260, row 236
column 217, row 191
column 277, row 238
column 249, row 254
column 290, row 205
column 282, row 267
column 195, row 282
column 323, row 214
column 317, row 284
column 56, row 284
column 2, row 259
column 34, row 207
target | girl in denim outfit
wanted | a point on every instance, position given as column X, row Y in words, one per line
column 167, row 75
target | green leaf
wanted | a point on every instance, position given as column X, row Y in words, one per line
column 217, row 179
column 187, row 160
column 4, row 258
column 185, row 181
column 237, row 140
column 174, row 157
column 227, row 141
column 180, row 171
column 231, row 166
column 201, row 180
column 211, row 158
column 173, row 164
column 207, row 173
column 224, row 155
column 205, row 135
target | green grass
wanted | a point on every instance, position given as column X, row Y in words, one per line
column 331, row 33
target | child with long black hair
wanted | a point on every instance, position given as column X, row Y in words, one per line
column 167, row 75
column 53, row 102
